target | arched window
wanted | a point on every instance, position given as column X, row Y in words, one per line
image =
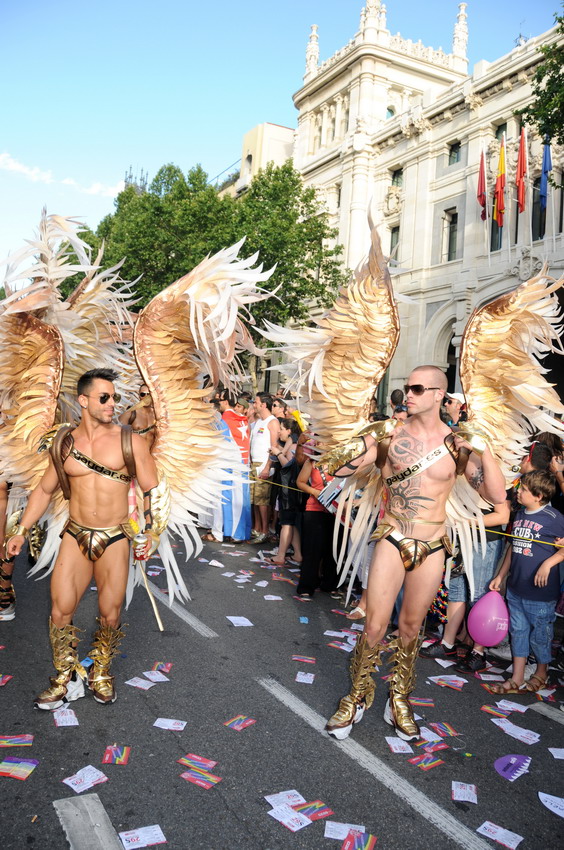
column 390, row 112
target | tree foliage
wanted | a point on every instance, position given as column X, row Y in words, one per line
column 546, row 112
column 166, row 231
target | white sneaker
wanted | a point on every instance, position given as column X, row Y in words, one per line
column 502, row 650
column 9, row 612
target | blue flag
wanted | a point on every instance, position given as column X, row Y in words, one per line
column 546, row 168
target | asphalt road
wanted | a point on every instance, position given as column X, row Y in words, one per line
column 222, row 671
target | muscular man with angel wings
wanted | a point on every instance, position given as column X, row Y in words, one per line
column 93, row 465
column 419, row 465
column 416, row 473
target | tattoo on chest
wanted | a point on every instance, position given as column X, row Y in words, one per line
column 405, row 499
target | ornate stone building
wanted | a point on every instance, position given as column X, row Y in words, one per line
column 393, row 125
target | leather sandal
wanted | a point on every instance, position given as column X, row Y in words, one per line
column 534, row 684
column 500, row 689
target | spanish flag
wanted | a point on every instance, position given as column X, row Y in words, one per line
column 521, row 172
column 499, row 191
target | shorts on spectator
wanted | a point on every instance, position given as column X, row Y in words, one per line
column 531, row 627
column 260, row 489
column 288, row 517
column 484, row 568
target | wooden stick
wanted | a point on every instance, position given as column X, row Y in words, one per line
column 151, row 597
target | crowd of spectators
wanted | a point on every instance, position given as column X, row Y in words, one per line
column 281, row 508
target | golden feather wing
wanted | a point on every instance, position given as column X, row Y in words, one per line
column 189, row 332
column 31, row 364
column 507, row 395
column 338, row 366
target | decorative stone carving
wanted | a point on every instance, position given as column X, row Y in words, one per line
column 392, row 201
column 460, row 37
column 492, row 157
column 527, row 266
column 473, row 101
column 312, row 53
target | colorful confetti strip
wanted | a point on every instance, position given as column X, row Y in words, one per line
column 422, row 702
column 426, row 762
column 17, row 768
column 202, row 778
column 241, row 721
column 16, row 740
column 307, row 659
column 162, row 666
column 433, row 746
column 497, row 712
column 339, row 611
column 116, row 755
column 359, row 841
column 445, row 730
column 5, row 678
column 192, row 760
column 278, row 577
column 314, row 811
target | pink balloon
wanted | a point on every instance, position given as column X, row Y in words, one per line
column 488, row 620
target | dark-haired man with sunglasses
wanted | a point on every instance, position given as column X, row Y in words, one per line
column 419, row 464
column 93, row 465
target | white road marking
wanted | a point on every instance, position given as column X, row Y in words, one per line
column 181, row 612
column 408, row 794
column 86, row 823
column 552, row 713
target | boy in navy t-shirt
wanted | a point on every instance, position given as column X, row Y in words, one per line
column 533, row 586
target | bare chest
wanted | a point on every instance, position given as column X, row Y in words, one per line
column 427, row 458
column 85, row 457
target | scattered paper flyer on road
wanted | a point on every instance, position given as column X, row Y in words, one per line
column 292, row 820
column 85, row 779
column 65, row 717
column 145, row 836
column 555, row 804
column 170, row 724
column 338, row 830
column 239, row 621
column 292, row 798
column 156, row 676
column 501, row 835
column 464, row 793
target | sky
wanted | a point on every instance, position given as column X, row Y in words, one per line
column 90, row 89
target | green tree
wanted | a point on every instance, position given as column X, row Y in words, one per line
column 166, row 231
column 546, row 112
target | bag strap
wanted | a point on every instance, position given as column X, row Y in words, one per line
column 59, row 451
column 127, row 449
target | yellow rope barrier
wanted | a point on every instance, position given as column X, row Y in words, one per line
column 489, row 530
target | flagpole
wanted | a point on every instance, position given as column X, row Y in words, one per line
column 487, row 221
column 508, row 207
column 529, row 185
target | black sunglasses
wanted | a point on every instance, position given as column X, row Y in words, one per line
column 417, row 389
column 103, row 397
column 142, row 395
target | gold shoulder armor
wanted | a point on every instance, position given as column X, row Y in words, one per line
column 46, row 440
column 379, row 430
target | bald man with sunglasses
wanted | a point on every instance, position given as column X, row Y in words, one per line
column 419, row 464
column 93, row 464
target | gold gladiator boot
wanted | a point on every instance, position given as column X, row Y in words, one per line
column 399, row 712
column 68, row 684
column 364, row 661
column 104, row 648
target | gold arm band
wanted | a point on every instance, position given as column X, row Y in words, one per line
column 473, row 436
column 20, row 530
column 355, row 446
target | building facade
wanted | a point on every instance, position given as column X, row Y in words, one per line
column 397, row 128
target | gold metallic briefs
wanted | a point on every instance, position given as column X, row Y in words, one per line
column 93, row 542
